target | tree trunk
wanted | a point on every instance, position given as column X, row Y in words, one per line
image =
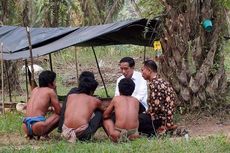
column 192, row 56
column 9, row 67
column 56, row 9
column 5, row 11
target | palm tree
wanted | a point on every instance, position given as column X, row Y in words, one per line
column 100, row 11
column 192, row 59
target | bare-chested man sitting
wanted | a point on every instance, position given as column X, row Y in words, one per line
column 126, row 113
column 81, row 120
column 35, row 123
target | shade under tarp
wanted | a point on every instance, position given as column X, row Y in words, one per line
column 47, row 40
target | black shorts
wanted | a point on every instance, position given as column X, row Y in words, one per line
column 94, row 124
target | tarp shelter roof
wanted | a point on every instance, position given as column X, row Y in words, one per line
column 47, row 40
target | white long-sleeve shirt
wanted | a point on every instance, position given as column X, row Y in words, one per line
column 140, row 91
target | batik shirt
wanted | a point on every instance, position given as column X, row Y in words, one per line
column 161, row 101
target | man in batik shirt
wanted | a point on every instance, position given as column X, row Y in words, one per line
column 161, row 101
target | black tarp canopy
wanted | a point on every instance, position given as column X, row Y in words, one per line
column 47, row 40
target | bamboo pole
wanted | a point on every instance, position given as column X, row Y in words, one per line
column 31, row 58
column 100, row 72
column 144, row 53
column 76, row 62
column 26, row 71
column 8, row 80
column 3, row 106
column 50, row 60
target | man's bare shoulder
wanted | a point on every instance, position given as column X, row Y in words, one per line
column 134, row 99
column 125, row 98
column 84, row 97
column 43, row 91
column 116, row 98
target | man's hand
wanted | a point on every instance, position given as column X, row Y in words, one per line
column 162, row 130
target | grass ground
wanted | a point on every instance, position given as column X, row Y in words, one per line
column 12, row 140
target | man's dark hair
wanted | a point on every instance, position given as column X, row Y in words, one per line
column 151, row 64
column 129, row 60
column 46, row 77
column 87, row 85
column 86, row 74
column 126, row 86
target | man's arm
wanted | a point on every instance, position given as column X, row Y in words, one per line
column 140, row 92
column 99, row 103
column 55, row 103
column 107, row 113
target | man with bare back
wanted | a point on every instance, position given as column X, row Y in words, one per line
column 126, row 108
column 42, row 97
column 81, row 119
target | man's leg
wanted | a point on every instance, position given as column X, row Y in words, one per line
column 147, row 125
column 44, row 128
column 94, row 124
column 110, row 130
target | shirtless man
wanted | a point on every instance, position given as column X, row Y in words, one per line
column 74, row 90
column 126, row 110
column 35, row 123
column 81, row 120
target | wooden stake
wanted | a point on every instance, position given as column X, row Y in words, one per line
column 3, row 107
column 31, row 58
column 26, row 71
column 144, row 53
column 50, row 60
column 99, row 70
column 76, row 63
column 8, row 80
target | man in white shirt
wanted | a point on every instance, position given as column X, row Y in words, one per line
column 127, row 65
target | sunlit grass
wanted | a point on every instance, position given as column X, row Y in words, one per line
column 11, row 122
column 10, row 125
column 212, row 144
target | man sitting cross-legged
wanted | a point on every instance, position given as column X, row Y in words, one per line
column 126, row 113
column 35, row 123
column 81, row 120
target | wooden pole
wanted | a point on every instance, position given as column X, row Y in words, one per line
column 51, row 65
column 8, row 80
column 100, row 71
column 3, row 107
column 76, row 62
column 144, row 53
column 26, row 70
column 31, row 58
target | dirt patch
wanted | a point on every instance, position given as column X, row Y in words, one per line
column 199, row 126
column 12, row 139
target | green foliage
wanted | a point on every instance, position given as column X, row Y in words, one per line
column 100, row 11
column 150, row 8
column 225, row 3
column 101, row 91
